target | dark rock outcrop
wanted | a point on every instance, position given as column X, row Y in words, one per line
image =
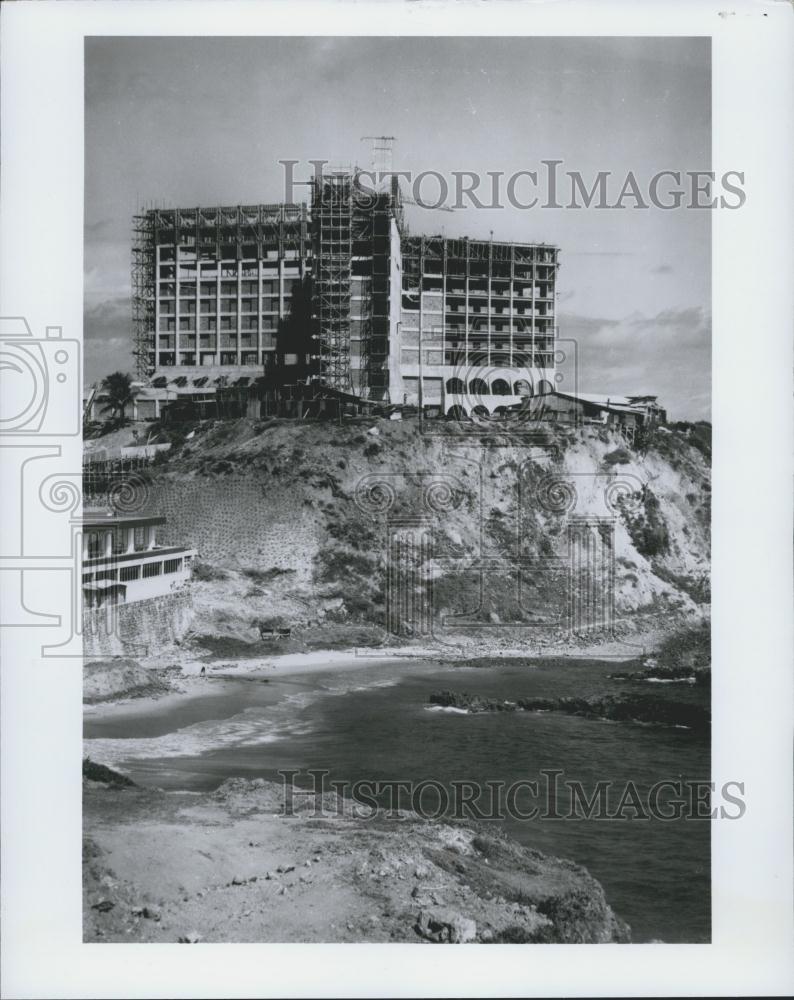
column 106, row 775
column 626, row 707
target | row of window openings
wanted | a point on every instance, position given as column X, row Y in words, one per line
column 475, row 269
column 188, row 291
column 169, row 272
column 95, row 542
column 450, row 357
column 187, row 307
column 167, row 359
column 228, row 324
column 228, row 254
column 542, row 324
column 541, row 343
column 186, row 340
column 251, row 256
column 125, row 574
column 269, row 286
column 432, row 316
column 249, row 289
column 435, row 299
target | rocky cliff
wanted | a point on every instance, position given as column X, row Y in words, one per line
column 318, row 527
column 233, row 866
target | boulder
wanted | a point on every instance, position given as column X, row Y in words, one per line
column 443, row 925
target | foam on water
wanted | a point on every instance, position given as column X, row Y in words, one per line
column 252, row 727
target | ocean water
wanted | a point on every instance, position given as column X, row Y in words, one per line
column 375, row 724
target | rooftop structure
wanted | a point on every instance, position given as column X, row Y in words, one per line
column 625, row 412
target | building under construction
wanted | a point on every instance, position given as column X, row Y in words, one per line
column 341, row 295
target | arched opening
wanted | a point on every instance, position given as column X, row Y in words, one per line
column 545, row 387
column 481, row 412
column 456, row 385
column 502, row 413
column 499, row 387
column 522, row 388
column 456, row 413
column 478, row 387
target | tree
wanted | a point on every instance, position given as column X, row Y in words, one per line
column 118, row 388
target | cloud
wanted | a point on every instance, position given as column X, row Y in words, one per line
column 101, row 229
column 110, row 320
column 107, row 338
column 668, row 354
column 599, row 253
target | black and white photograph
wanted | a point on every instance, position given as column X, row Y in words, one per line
column 396, row 491
column 388, row 528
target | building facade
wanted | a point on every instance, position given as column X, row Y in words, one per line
column 345, row 296
column 215, row 288
column 122, row 562
column 478, row 322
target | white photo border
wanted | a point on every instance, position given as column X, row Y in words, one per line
column 752, row 873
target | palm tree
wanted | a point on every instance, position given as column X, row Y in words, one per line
column 118, row 388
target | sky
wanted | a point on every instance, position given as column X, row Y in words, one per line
column 205, row 121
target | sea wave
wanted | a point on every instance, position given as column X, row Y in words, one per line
column 249, row 728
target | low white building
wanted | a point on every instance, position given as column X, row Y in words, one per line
column 122, row 562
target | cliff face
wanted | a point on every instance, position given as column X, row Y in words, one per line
column 312, row 524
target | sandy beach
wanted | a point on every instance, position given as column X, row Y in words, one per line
column 186, row 679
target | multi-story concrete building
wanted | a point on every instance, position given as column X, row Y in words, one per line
column 342, row 295
column 478, row 322
column 213, row 289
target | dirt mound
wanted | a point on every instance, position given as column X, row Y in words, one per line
column 109, row 680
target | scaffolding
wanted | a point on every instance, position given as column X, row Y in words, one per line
column 372, row 253
column 332, row 218
column 143, row 301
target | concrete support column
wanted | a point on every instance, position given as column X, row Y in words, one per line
column 157, row 306
column 108, row 545
column 130, row 540
column 239, row 310
column 218, row 271
column 151, row 540
column 177, row 290
column 280, row 287
column 259, row 345
column 534, row 279
column 86, row 550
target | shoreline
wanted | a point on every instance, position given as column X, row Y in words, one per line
column 244, row 871
column 190, row 683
